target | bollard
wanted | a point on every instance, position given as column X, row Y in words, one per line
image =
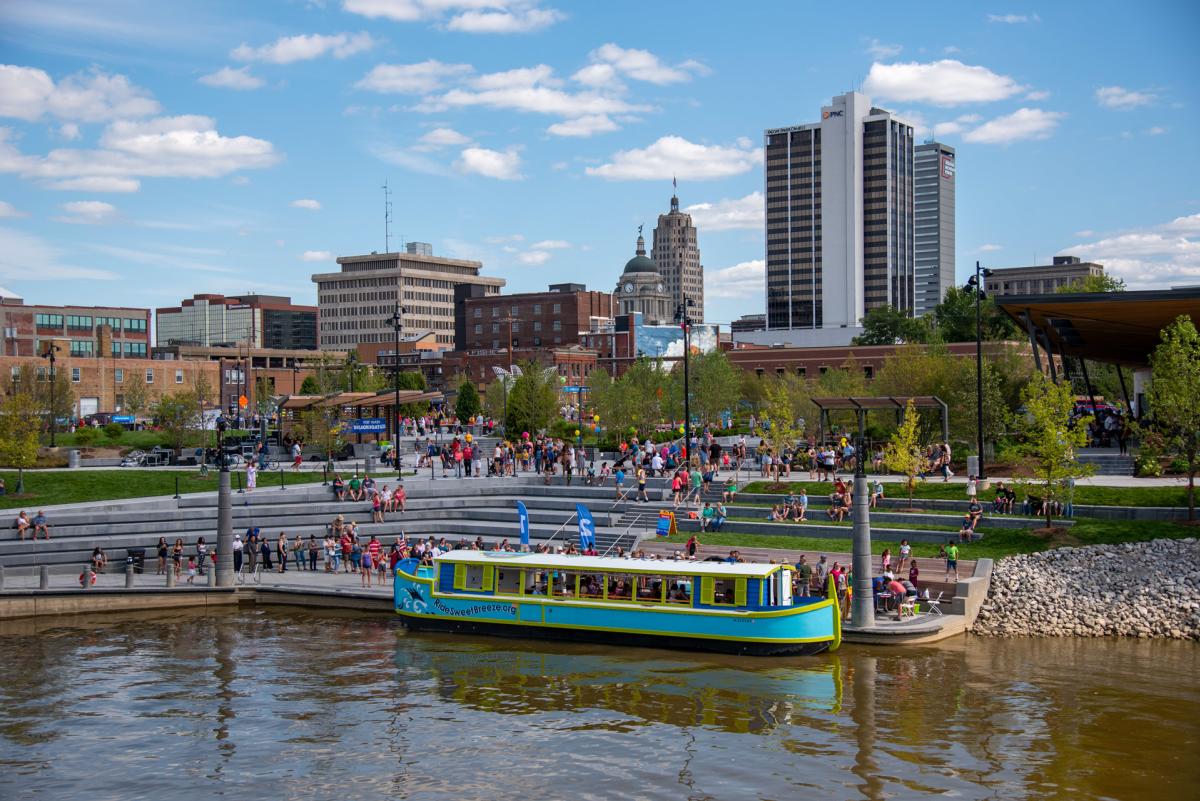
column 324, row 475
column 87, row 577
column 281, row 479
column 176, row 486
column 239, row 483
column 212, row 577
column 170, row 575
column 128, row 577
column 44, row 577
column 1, row 577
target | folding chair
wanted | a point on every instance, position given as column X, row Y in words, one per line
column 934, row 603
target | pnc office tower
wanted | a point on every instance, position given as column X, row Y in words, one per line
column 839, row 221
column 933, row 190
column 677, row 255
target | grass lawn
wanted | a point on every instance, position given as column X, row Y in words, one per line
column 128, row 439
column 995, row 544
column 1096, row 496
column 54, row 487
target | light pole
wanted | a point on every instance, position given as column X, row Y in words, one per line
column 224, row 562
column 51, row 349
column 393, row 424
column 975, row 283
column 295, row 372
column 685, row 321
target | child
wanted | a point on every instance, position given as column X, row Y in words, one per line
column 191, row 570
column 731, row 489
column 605, row 473
column 366, row 567
column 877, row 493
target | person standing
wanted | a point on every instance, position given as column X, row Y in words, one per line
column 264, row 552
column 251, row 477
column 201, row 554
column 951, row 560
column 296, row 457
column 162, row 556
column 641, row 479
column 313, row 551
column 281, row 552
column 237, row 553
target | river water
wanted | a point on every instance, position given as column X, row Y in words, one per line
column 276, row 703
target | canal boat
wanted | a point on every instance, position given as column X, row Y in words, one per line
column 742, row 608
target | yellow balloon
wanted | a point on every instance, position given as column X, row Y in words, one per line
column 595, row 418
column 577, row 432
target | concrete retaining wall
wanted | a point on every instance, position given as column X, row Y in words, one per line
column 72, row 602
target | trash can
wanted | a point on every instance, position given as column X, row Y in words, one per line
column 73, row 458
column 972, row 465
column 137, row 558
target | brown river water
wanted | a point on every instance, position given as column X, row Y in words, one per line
column 273, row 703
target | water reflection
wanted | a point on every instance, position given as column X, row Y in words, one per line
column 273, row 703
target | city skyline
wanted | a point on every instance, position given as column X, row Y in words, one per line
column 150, row 153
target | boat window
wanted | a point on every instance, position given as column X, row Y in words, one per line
column 679, row 590
column 563, row 584
column 591, row 585
column 620, row 587
column 649, row 588
column 475, row 578
column 508, row 581
column 535, row 582
column 723, row 592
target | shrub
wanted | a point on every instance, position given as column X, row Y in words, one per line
column 87, row 436
column 1147, row 465
column 114, row 431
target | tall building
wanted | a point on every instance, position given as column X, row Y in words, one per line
column 86, row 332
column 259, row 321
column 553, row 318
column 839, row 222
column 642, row 288
column 1043, row 279
column 677, row 255
column 356, row 304
column 933, row 238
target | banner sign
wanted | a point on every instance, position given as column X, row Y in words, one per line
column 587, row 527
column 368, row 425
column 523, row 517
column 666, row 524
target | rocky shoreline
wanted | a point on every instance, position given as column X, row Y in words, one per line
column 1141, row 589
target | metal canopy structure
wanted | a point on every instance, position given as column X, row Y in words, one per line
column 862, row 406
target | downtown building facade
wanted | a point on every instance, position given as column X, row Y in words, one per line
column 933, row 215
column 356, row 304
column 257, row 321
column 1045, row 279
column 85, row 332
column 839, row 220
column 676, row 254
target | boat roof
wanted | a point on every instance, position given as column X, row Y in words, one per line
column 610, row 563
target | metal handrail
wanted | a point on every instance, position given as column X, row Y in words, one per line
column 560, row 528
column 637, row 519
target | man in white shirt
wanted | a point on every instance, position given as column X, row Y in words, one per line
column 656, row 464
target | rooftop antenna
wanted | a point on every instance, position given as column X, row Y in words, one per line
column 387, row 218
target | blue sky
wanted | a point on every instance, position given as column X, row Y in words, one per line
column 150, row 151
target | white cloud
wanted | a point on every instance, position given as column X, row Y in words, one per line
column 583, row 126
column 674, row 155
column 955, row 126
column 306, row 203
column 879, row 50
column 500, row 240
column 551, row 244
column 410, row 159
column 443, row 137
column 1087, row 233
column 1156, row 131
column 288, row 49
column 532, row 90
column 1013, row 19
column 504, row 166
column 10, row 211
column 162, row 147
column 230, row 78
column 990, row 248
column 1122, row 99
column 517, row 78
column 97, row 183
column 28, row 258
column 467, row 16
column 1038, row 95
column 87, row 212
column 517, row 20
column 316, row 255
column 597, row 75
column 415, row 79
column 70, row 131
column 28, row 93
column 744, row 280
column 533, row 257
column 942, row 83
column 640, row 65
column 1148, row 258
column 1024, row 123
column 724, row 215
column 951, row 50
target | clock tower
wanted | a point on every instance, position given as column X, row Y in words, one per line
column 641, row 289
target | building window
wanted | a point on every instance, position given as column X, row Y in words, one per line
column 557, row 308
column 495, row 344
column 135, row 325
column 758, row 371
column 537, row 342
column 478, row 328
column 478, row 312
column 74, row 375
column 537, row 325
column 79, row 322
column 119, row 375
column 150, row 376
column 537, row 308
column 114, row 349
column 495, row 328
column 557, row 325
column 48, row 320
column 135, row 349
column 513, row 311
column 869, row 372
column 495, row 311
column 81, row 348
column 802, row 372
column 179, row 376
column 516, row 326
column 516, row 343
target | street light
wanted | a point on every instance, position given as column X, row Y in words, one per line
column 393, row 427
column 51, row 349
column 685, row 322
column 975, row 284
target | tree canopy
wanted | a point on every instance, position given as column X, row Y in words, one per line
column 887, row 325
column 1175, row 395
column 467, row 404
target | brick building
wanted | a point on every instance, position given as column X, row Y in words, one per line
column 260, row 321
column 812, row 362
column 550, row 319
column 75, row 329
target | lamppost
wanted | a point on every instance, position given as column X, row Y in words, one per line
column 295, row 372
column 685, row 321
column 975, row 284
column 51, row 349
column 224, row 562
column 393, row 424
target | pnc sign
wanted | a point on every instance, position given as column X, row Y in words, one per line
column 827, row 114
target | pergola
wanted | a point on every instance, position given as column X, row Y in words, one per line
column 863, row 406
column 360, row 404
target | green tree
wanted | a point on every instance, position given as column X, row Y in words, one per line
column 203, row 390
column 136, row 392
column 179, row 416
column 493, row 400
column 954, row 318
column 885, row 325
column 903, row 452
column 1050, row 440
column 1175, row 395
column 715, row 385
column 1093, row 283
column 20, row 424
column 467, row 404
column 322, row 430
column 411, row 379
column 533, row 399
column 264, row 399
column 777, row 425
column 310, row 386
